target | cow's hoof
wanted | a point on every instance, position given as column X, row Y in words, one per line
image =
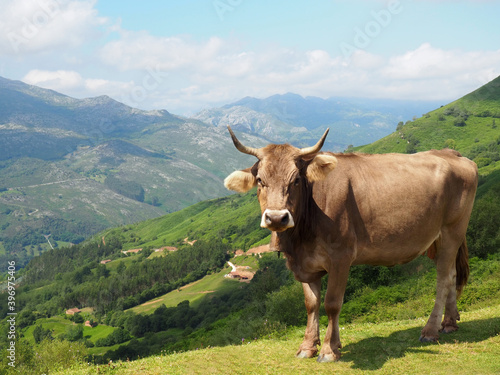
column 428, row 339
column 448, row 329
column 323, row 358
column 330, row 357
column 306, row 353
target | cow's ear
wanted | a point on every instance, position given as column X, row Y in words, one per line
column 320, row 166
column 240, row 181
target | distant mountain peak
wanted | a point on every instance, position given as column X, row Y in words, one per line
column 33, row 106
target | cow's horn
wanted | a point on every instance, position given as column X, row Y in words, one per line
column 314, row 149
column 246, row 150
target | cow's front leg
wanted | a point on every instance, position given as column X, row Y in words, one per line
column 312, row 294
column 337, row 281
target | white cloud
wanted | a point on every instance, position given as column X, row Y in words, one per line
column 140, row 50
column 60, row 80
column 73, row 84
column 217, row 70
column 434, row 73
column 30, row 26
column 183, row 75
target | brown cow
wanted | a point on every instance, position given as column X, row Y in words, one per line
column 330, row 211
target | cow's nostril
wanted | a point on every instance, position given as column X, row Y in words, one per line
column 269, row 221
column 284, row 219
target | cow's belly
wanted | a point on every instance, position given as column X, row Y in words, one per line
column 397, row 251
column 399, row 233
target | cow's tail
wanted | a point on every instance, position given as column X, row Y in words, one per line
column 462, row 266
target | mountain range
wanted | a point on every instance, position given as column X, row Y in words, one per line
column 301, row 121
column 71, row 167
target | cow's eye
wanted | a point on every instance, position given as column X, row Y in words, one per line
column 296, row 182
column 259, row 181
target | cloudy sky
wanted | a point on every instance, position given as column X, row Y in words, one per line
column 186, row 55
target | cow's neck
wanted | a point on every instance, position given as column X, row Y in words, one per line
column 301, row 243
column 300, row 240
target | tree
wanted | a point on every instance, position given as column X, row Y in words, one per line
column 121, row 267
column 74, row 333
column 483, row 233
column 77, row 318
column 413, row 142
column 459, row 121
column 40, row 334
column 450, row 143
column 102, row 271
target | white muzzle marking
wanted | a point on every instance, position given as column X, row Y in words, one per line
column 266, row 221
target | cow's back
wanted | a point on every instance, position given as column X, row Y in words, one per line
column 396, row 202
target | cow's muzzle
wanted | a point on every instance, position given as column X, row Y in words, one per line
column 277, row 220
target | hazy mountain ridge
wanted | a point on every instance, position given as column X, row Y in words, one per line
column 143, row 154
column 293, row 118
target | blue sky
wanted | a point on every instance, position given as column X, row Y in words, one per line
column 187, row 55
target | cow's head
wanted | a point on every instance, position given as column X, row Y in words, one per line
column 283, row 175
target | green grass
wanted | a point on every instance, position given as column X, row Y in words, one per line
column 129, row 259
column 217, row 217
column 246, row 261
column 58, row 326
column 206, row 287
column 99, row 332
column 194, row 292
column 385, row 348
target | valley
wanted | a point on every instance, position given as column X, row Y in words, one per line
column 159, row 304
column 88, row 164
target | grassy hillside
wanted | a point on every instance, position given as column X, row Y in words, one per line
column 235, row 218
column 385, row 310
column 209, row 286
column 385, row 348
column 469, row 125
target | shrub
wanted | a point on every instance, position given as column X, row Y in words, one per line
column 482, row 162
column 287, row 305
column 40, row 334
column 459, row 121
column 74, row 333
column 483, row 233
column 58, row 355
column 118, row 336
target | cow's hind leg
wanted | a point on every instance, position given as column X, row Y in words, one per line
column 312, row 294
column 451, row 315
column 445, row 291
